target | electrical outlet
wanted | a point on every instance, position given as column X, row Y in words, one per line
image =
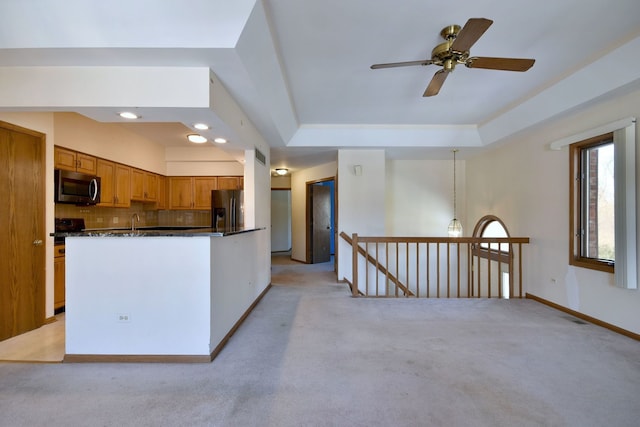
column 115, row 219
column 99, row 220
column 179, row 219
column 123, row 318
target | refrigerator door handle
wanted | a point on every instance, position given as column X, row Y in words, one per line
column 232, row 223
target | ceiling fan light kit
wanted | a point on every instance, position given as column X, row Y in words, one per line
column 455, row 50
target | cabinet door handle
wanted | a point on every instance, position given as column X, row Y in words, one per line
column 37, row 242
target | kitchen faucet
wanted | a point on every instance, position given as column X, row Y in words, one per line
column 135, row 217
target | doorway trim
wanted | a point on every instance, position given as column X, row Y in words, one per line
column 308, row 209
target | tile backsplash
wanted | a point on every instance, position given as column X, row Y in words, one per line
column 102, row 217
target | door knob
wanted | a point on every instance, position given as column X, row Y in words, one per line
column 37, row 242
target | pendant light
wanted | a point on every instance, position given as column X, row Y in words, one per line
column 455, row 226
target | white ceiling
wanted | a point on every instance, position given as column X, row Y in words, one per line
column 300, row 68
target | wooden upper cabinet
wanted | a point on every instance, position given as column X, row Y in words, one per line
column 144, row 186
column 122, row 187
column 163, row 193
column 151, row 187
column 73, row 161
column 189, row 192
column 229, row 183
column 137, row 184
column 202, row 187
column 106, row 170
column 115, row 183
column 180, row 192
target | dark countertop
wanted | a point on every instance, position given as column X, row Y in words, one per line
column 154, row 231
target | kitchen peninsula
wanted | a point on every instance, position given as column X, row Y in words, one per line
column 160, row 295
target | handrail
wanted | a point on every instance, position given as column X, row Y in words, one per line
column 418, row 266
column 380, row 267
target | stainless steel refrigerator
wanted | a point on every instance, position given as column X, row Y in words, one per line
column 227, row 210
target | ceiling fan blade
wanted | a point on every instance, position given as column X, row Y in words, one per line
column 436, row 83
column 507, row 64
column 470, row 33
column 402, row 64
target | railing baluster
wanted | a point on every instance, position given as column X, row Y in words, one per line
column 407, row 267
column 520, row 268
column 428, row 270
column 489, row 273
column 397, row 267
column 500, row 277
column 479, row 278
column 377, row 266
column 458, row 271
column 470, row 259
column 417, row 270
column 366, row 270
column 438, row 269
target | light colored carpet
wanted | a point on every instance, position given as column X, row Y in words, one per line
column 310, row 355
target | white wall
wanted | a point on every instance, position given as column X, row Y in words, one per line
column 527, row 185
column 298, row 205
column 420, row 197
column 361, row 200
column 163, row 284
column 201, row 161
column 108, row 140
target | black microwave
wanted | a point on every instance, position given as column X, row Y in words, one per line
column 76, row 188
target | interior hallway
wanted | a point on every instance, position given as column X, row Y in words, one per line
column 309, row 354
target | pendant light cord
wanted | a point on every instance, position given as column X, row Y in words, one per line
column 455, row 216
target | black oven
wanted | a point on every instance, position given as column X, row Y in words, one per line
column 67, row 225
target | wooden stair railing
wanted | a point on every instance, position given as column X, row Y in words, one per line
column 381, row 268
column 462, row 267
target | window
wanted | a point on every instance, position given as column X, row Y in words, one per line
column 593, row 203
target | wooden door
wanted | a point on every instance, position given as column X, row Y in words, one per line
column 320, row 223
column 22, row 230
column 106, row 170
column 202, row 187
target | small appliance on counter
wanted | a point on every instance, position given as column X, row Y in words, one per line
column 227, row 210
column 67, row 225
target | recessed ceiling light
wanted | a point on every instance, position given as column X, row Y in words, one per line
column 195, row 138
column 220, row 140
column 128, row 115
column 201, row 126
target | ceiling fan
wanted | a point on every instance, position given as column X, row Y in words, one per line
column 455, row 50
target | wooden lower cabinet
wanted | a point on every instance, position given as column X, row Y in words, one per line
column 58, row 277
